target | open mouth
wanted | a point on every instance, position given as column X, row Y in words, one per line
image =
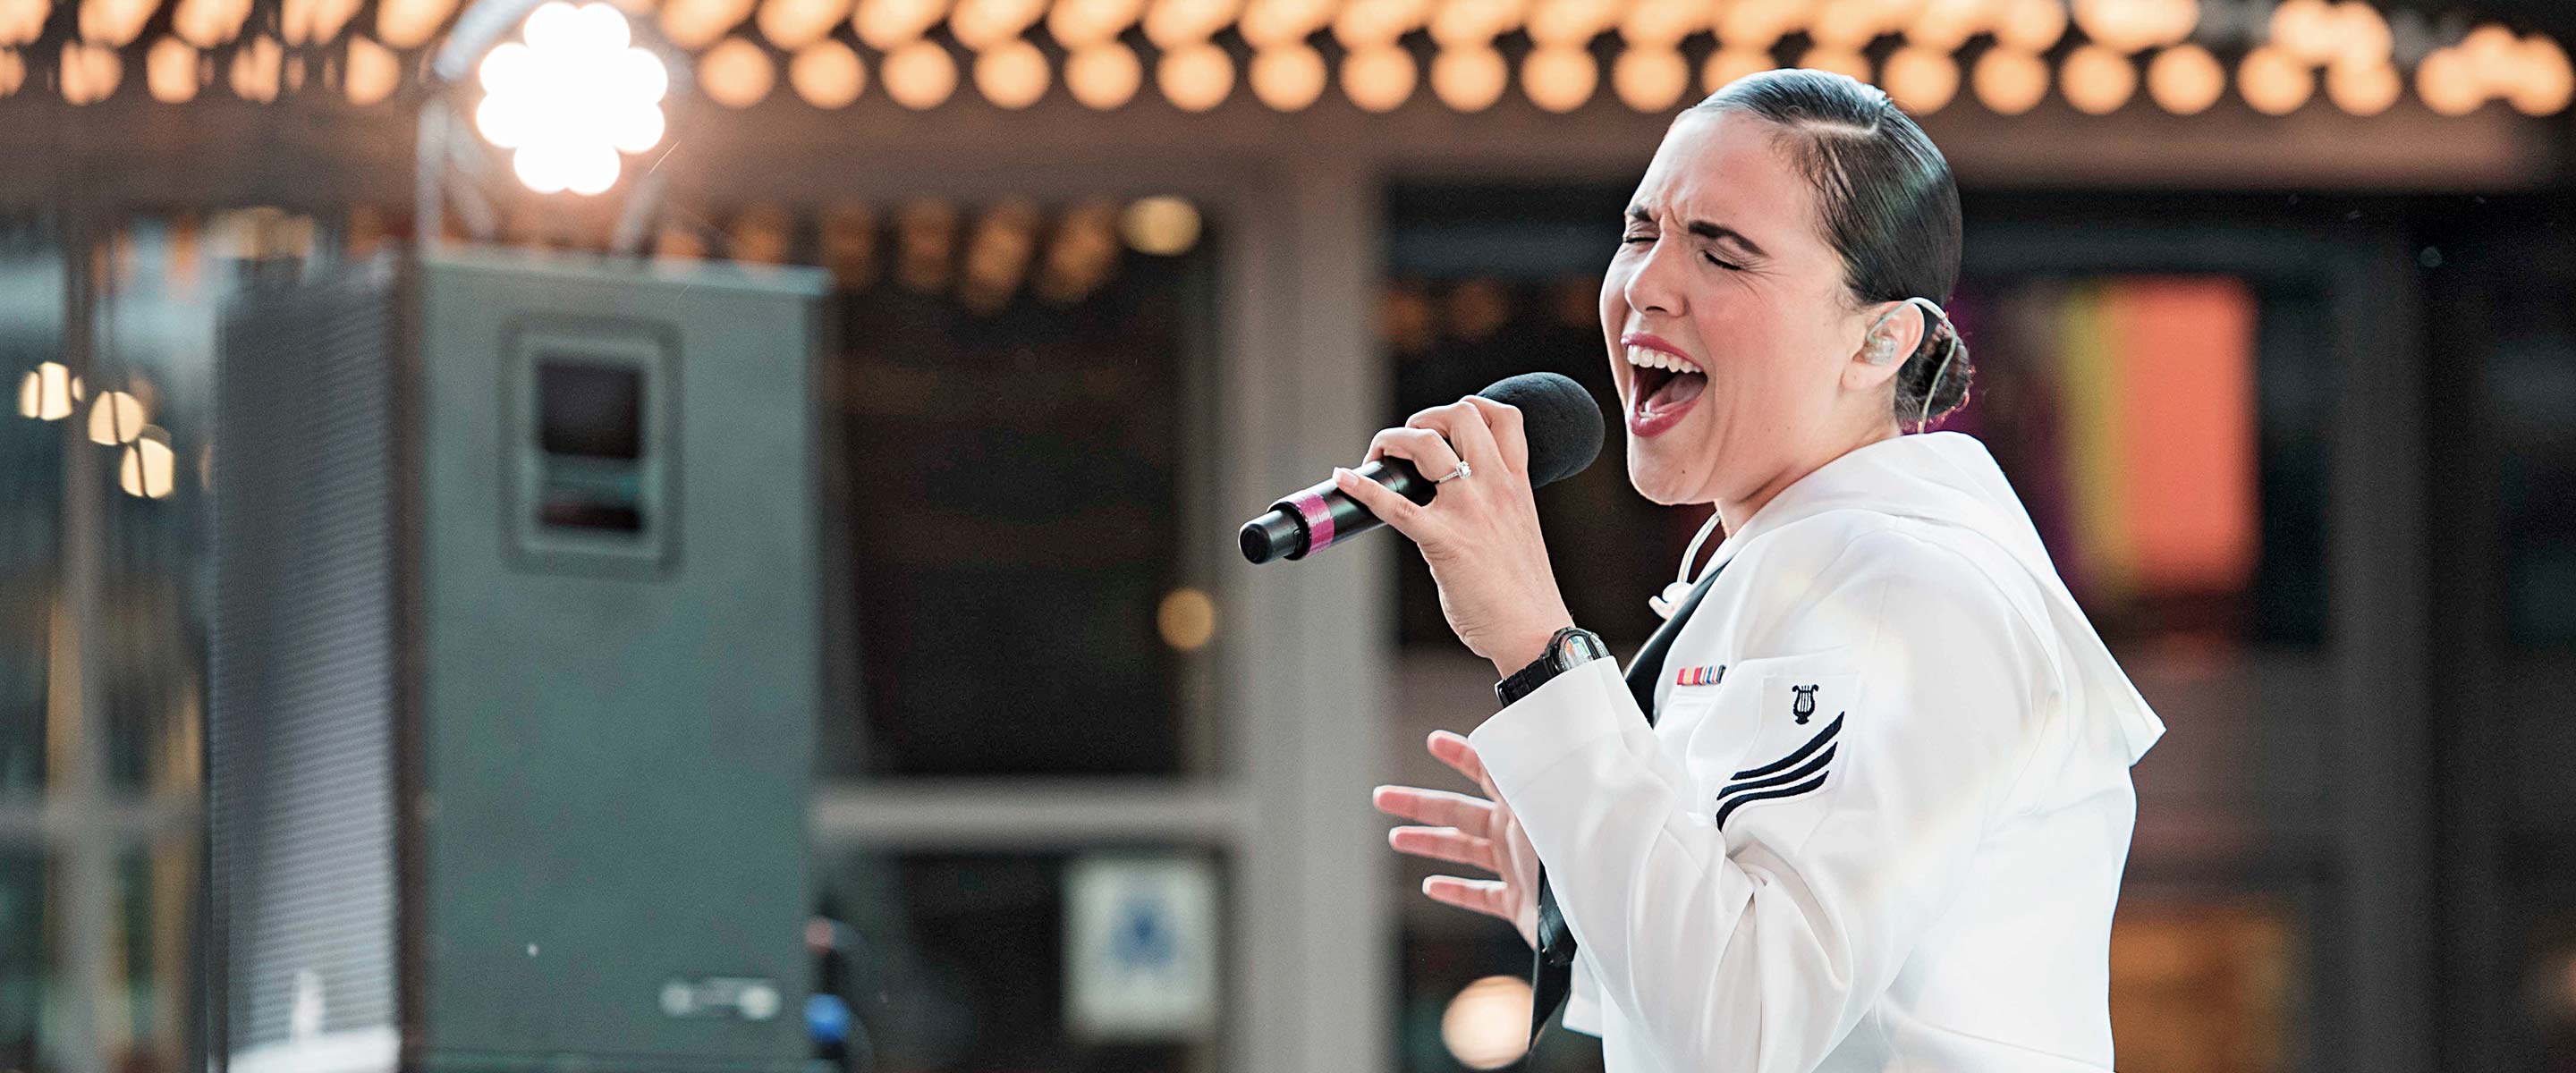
column 1664, row 382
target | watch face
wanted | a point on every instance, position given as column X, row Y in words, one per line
column 1579, row 646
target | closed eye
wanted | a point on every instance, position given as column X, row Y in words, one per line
column 1728, row 265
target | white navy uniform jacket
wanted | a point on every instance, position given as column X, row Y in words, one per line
column 1881, row 820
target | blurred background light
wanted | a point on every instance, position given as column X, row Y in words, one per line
column 997, row 256
column 21, row 21
column 2544, row 80
column 1378, row 79
column 827, row 74
column 925, row 232
column 148, row 464
column 981, row 25
column 89, row 73
column 115, row 417
column 1559, row 78
column 1730, row 63
column 1842, row 25
column 46, row 393
column 2492, row 52
column 170, row 71
column 1270, row 24
column 2097, row 80
column 696, row 24
column 1081, row 255
column 920, row 75
column 1470, row 78
column 2363, row 35
column 1920, row 79
column 2128, row 26
column 1077, row 25
column 401, row 24
column 1758, row 24
column 2447, row 84
column 1378, row 23
column 1186, row 619
column 370, row 73
column 2029, row 26
column 575, row 92
column 258, row 69
column 1662, row 24
column 1174, row 24
column 1838, row 60
column 849, row 244
column 2309, row 31
column 2363, row 87
column 1103, row 76
column 2274, row 81
column 1162, row 225
column 794, row 24
column 1650, row 79
column 1487, row 1025
column 1012, row 74
column 1288, row 77
column 735, row 74
column 2009, row 80
column 1944, row 25
column 2185, row 79
column 1568, row 23
column 208, row 23
column 1195, row 77
column 886, row 25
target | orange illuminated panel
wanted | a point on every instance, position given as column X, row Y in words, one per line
column 2187, row 384
column 2153, row 388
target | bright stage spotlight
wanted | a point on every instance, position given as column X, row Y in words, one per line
column 571, row 97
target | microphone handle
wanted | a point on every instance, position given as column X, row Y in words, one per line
column 1318, row 517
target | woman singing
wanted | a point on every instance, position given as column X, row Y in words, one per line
column 1877, row 815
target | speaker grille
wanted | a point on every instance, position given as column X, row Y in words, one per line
column 301, row 729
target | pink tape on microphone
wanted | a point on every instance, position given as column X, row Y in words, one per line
column 1319, row 521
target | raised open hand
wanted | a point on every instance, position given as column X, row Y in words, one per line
column 1479, row 832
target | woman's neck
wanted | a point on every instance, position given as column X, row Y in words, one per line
column 1735, row 512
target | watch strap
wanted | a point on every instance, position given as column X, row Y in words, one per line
column 1550, row 663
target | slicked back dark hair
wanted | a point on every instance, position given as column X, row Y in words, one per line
column 1885, row 199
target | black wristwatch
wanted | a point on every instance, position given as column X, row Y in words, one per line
column 1571, row 647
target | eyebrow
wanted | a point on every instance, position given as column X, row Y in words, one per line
column 1707, row 230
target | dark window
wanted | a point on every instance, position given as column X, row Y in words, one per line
column 589, row 409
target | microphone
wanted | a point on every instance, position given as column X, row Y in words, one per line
column 1561, row 421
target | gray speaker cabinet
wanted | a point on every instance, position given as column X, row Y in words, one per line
column 515, row 668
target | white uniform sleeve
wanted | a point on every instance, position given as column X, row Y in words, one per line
column 1583, row 1004
column 1757, row 947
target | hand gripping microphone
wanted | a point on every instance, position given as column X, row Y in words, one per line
column 1561, row 421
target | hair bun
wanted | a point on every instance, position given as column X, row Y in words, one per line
column 1939, row 370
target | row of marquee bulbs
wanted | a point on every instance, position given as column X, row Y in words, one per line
column 884, row 24
column 2350, row 39
column 2532, row 73
column 146, row 463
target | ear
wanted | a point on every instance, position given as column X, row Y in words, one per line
column 1896, row 331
